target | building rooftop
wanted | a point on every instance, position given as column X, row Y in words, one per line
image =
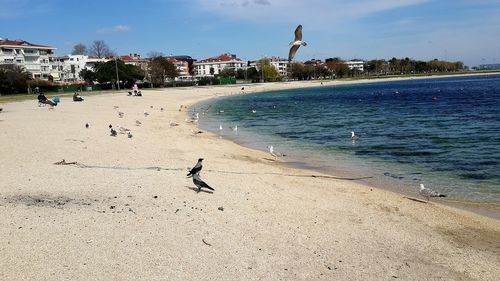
column 22, row 43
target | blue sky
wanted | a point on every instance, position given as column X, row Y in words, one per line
column 466, row 30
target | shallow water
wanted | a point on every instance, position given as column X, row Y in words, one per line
column 442, row 132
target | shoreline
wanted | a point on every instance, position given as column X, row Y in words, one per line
column 126, row 211
column 484, row 208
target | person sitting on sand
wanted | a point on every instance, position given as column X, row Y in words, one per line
column 43, row 99
column 77, row 97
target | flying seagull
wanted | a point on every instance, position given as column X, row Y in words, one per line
column 199, row 183
column 296, row 43
column 196, row 169
column 427, row 193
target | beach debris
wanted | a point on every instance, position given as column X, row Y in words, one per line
column 129, row 135
column 196, row 169
column 138, row 123
column 204, row 242
column 161, row 109
column 146, row 114
column 120, row 114
column 115, row 107
column 220, row 208
column 296, row 43
column 87, row 125
column 173, row 124
column 150, row 106
column 63, row 162
column 428, row 193
column 200, row 183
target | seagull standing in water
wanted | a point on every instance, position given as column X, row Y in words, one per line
column 427, row 193
column 296, row 43
column 354, row 136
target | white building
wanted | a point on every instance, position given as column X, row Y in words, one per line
column 39, row 60
column 224, row 61
column 355, row 64
column 281, row 65
column 71, row 65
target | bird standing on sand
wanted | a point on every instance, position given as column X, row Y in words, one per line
column 196, row 169
column 427, row 193
column 129, row 135
column 296, row 43
column 199, row 183
column 113, row 132
column 146, row 114
column 274, row 153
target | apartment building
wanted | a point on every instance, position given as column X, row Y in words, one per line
column 214, row 65
column 356, row 65
column 39, row 60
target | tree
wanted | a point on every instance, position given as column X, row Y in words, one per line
column 159, row 69
column 155, row 54
column 270, row 73
column 13, row 79
column 79, row 49
column 212, row 71
column 338, row 66
column 228, row 72
column 88, row 75
column 253, row 74
column 106, row 72
column 100, row 49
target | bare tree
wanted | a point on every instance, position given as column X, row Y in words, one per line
column 100, row 49
column 79, row 49
column 155, row 54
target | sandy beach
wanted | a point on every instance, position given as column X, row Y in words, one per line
column 126, row 211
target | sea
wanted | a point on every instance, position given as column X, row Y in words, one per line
column 442, row 132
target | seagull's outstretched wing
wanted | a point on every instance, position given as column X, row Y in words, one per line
column 293, row 50
column 298, row 33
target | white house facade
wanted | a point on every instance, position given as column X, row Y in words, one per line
column 39, row 60
column 356, row 65
column 224, row 61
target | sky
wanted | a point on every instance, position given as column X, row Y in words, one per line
column 454, row 30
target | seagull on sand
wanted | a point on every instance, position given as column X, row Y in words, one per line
column 427, row 193
column 274, row 153
column 199, row 183
column 112, row 132
column 196, row 169
column 296, row 43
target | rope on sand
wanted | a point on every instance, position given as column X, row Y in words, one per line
column 84, row 166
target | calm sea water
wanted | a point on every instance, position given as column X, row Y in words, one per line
column 442, row 132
